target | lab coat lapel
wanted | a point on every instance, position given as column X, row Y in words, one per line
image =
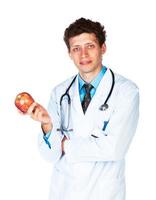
column 76, row 103
column 101, row 93
column 98, row 99
column 84, row 123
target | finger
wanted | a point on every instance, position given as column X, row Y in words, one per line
column 35, row 113
column 32, row 108
column 41, row 117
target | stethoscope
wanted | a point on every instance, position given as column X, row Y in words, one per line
column 65, row 128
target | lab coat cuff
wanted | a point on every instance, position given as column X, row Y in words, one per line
column 52, row 154
column 46, row 138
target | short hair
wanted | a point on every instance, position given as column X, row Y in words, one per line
column 83, row 25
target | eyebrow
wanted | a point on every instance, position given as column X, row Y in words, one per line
column 78, row 45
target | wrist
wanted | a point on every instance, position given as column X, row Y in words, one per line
column 46, row 127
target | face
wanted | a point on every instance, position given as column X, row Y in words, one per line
column 86, row 53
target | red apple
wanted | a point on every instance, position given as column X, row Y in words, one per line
column 23, row 101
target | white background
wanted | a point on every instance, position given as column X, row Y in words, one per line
column 33, row 58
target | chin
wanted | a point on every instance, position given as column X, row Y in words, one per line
column 86, row 68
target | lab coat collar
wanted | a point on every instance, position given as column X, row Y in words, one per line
column 99, row 97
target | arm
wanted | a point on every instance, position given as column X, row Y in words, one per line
column 49, row 120
column 120, row 131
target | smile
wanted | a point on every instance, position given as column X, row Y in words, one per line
column 85, row 62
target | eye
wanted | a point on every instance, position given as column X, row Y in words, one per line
column 90, row 46
column 76, row 49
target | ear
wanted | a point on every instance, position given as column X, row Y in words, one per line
column 103, row 48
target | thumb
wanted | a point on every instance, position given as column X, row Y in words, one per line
column 32, row 108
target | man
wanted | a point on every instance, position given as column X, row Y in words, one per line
column 90, row 122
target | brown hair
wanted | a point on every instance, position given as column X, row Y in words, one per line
column 83, row 25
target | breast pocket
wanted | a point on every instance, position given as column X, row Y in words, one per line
column 102, row 119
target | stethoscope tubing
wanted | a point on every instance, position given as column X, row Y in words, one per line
column 104, row 104
column 67, row 92
column 103, row 107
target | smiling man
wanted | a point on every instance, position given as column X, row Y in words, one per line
column 87, row 55
column 90, row 122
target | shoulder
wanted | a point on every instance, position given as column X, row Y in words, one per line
column 125, row 90
column 125, row 83
column 64, row 85
column 61, row 88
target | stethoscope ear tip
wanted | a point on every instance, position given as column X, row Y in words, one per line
column 104, row 107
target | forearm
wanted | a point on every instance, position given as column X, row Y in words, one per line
column 54, row 153
column 111, row 144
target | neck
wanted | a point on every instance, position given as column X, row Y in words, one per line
column 89, row 76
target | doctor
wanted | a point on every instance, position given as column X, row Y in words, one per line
column 90, row 122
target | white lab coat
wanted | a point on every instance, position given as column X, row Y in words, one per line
column 93, row 166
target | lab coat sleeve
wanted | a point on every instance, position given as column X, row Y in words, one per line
column 113, row 143
column 54, row 153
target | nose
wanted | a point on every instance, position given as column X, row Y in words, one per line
column 84, row 52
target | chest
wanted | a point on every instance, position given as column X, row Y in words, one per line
column 83, row 124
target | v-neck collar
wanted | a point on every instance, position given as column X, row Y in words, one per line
column 99, row 97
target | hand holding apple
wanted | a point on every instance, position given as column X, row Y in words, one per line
column 26, row 104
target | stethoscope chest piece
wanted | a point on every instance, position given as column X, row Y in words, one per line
column 104, row 107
